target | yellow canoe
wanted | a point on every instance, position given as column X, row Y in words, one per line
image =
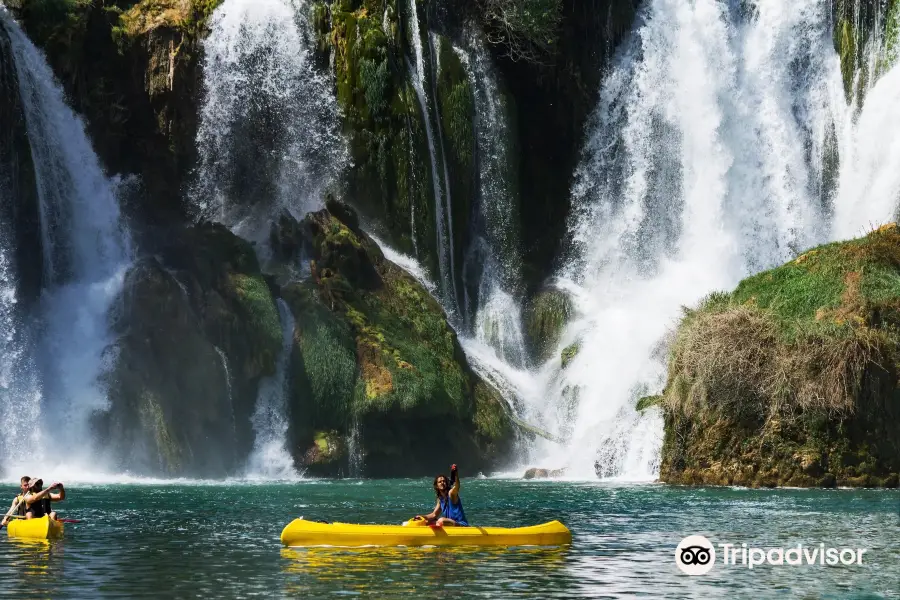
column 310, row 533
column 42, row 528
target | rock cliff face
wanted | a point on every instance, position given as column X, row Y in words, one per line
column 374, row 356
column 373, row 363
column 792, row 379
column 132, row 69
column 197, row 328
column 20, row 227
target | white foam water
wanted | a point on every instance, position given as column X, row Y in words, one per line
column 270, row 458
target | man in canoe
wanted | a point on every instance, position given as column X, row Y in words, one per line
column 18, row 504
column 37, row 501
column 448, row 504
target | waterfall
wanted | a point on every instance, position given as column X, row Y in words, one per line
column 86, row 254
column 269, row 135
column 270, row 458
column 20, row 393
column 355, row 450
column 440, row 188
column 493, row 263
column 703, row 165
column 227, row 373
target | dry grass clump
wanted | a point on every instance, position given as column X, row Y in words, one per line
column 734, row 361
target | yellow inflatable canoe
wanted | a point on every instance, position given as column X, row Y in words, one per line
column 310, row 533
column 42, row 528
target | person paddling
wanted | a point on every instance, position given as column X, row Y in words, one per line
column 18, row 504
column 449, row 505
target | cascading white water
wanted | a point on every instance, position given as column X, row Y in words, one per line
column 268, row 114
column 494, row 256
column 270, row 458
column 20, row 392
column 440, row 189
column 86, row 251
column 355, row 452
column 703, row 165
column 227, row 373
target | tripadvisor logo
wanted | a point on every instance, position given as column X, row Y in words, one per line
column 695, row 555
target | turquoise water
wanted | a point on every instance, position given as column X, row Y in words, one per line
column 222, row 540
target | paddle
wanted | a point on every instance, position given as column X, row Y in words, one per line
column 60, row 520
column 12, row 510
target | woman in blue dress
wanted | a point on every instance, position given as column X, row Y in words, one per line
column 449, row 505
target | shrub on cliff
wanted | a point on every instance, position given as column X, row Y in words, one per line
column 792, row 378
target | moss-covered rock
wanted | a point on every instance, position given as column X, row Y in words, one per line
column 372, row 347
column 201, row 302
column 546, row 316
column 326, row 455
column 391, row 180
column 163, row 417
column 857, row 24
column 569, row 353
column 792, row 379
column 456, row 107
column 19, row 203
column 648, row 401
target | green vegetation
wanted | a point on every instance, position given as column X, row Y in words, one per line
column 802, row 359
column 456, row 105
column 891, row 36
column 491, row 414
column 188, row 16
column 568, row 353
column 154, row 421
column 847, row 50
column 545, row 318
column 648, row 401
column 255, row 299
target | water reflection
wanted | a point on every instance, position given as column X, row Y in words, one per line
column 35, row 562
column 398, row 570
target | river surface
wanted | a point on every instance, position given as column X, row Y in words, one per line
column 221, row 540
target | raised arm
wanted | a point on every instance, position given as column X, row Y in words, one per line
column 454, row 477
column 61, row 495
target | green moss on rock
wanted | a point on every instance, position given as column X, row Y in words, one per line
column 648, row 401
column 385, row 357
column 391, row 180
column 545, row 318
column 569, row 353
